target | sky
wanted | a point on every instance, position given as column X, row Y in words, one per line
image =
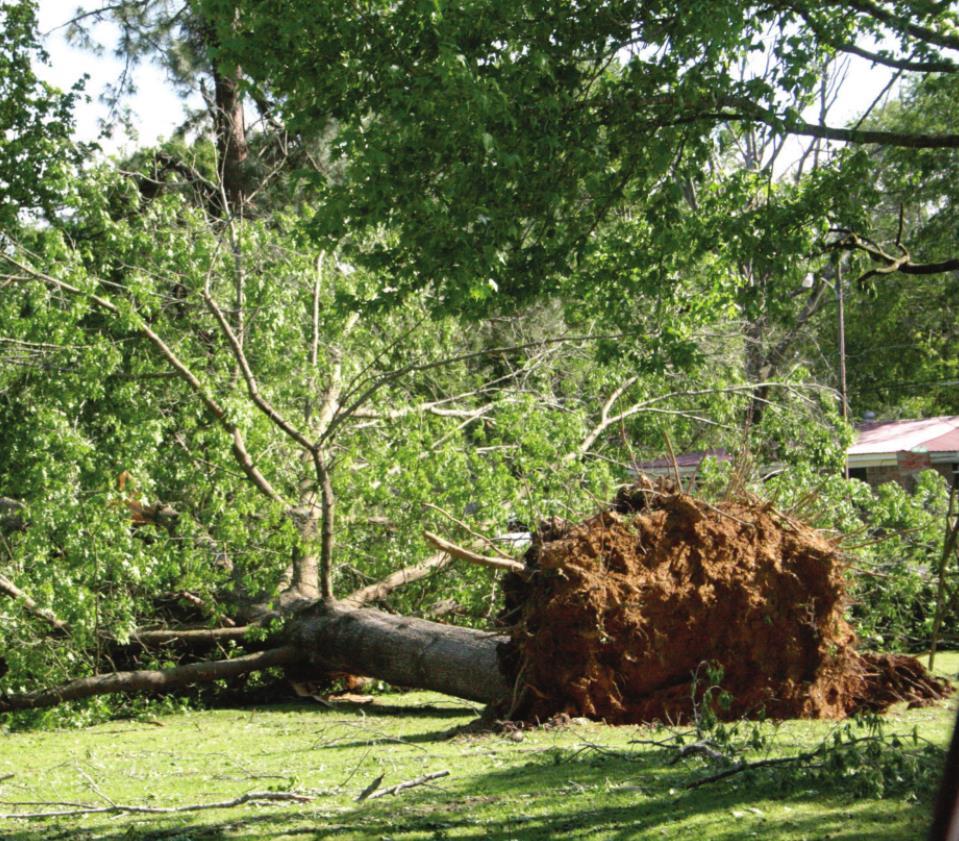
column 158, row 111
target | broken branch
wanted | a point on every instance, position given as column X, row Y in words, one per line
column 121, row 808
column 381, row 589
column 150, row 680
column 418, row 781
column 466, row 555
column 31, row 607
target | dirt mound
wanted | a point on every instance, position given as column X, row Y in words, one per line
column 621, row 617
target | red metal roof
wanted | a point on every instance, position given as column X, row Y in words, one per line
column 932, row 435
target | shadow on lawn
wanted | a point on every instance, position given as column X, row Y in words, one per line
column 555, row 796
column 374, row 710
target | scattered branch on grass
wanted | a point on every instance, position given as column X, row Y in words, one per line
column 122, row 808
column 743, row 765
column 418, row 781
column 474, row 558
column 373, row 786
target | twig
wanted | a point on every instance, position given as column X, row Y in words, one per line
column 426, row 778
column 122, row 808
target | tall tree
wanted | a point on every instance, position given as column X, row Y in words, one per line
column 493, row 139
column 36, row 121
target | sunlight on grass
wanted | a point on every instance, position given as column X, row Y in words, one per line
column 582, row 780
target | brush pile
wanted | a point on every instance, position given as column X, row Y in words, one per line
column 625, row 616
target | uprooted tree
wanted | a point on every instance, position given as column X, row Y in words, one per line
column 253, row 390
column 611, row 619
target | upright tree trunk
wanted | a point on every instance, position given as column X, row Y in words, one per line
column 230, row 128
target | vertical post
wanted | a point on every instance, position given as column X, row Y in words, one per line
column 945, row 816
column 844, row 408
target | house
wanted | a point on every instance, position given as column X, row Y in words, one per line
column 884, row 451
column 887, row 451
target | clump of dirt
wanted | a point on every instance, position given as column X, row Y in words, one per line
column 623, row 617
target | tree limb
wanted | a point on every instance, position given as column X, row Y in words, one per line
column 902, row 264
column 252, row 387
column 418, row 781
column 894, row 21
column 31, row 607
column 381, row 589
column 162, row 635
column 747, row 110
column 474, row 558
column 240, row 452
column 120, row 808
column 151, row 680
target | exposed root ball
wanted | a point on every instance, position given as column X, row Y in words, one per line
column 622, row 610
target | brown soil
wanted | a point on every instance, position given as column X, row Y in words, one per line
column 620, row 612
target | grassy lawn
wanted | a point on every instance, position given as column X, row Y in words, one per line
column 580, row 781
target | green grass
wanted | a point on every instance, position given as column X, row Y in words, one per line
column 582, row 781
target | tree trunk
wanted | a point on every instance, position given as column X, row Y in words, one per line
column 230, row 128
column 402, row 651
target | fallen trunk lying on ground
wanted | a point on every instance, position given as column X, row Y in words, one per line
column 629, row 616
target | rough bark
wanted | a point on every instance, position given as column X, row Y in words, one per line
column 403, row 651
column 400, row 650
column 230, row 128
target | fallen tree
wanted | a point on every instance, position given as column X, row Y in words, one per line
column 591, row 625
column 644, row 612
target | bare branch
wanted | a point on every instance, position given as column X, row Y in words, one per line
column 381, row 589
column 747, row 110
column 901, row 24
column 942, row 66
column 468, row 530
column 383, row 792
column 344, row 413
column 253, row 389
column 892, row 264
column 31, row 607
column 151, row 680
column 120, row 808
column 466, row 555
column 607, row 420
column 162, row 635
